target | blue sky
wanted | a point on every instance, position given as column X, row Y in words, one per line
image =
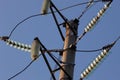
column 105, row 32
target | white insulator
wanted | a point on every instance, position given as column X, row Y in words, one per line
column 97, row 60
column 99, row 57
column 26, row 50
column 101, row 11
column 89, row 67
column 84, row 73
column 15, row 44
column 22, row 45
column 94, row 19
column 92, row 22
column 88, row 27
column 35, row 49
column 82, row 76
column 92, row 65
column 86, row 30
column 45, row 6
column 10, row 43
column 87, row 71
column 102, row 54
column 22, row 49
column 94, row 62
column 7, row 43
column 98, row 15
column 105, row 6
column 105, row 51
column 18, row 47
column 29, row 46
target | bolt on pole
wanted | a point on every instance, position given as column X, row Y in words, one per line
column 68, row 56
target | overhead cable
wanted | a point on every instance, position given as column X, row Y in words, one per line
column 22, row 22
column 86, row 8
column 23, row 69
column 46, row 13
column 74, row 6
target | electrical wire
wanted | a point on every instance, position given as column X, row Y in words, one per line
column 47, row 13
column 86, row 8
column 23, row 69
column 89, row 50
column 61, row 50
column 74, row 6
column 21, row 23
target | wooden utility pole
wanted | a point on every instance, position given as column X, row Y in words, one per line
column 68, row 56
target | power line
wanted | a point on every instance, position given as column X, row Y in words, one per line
column 86, row 8
column 74, row 6
column 22, row 22
column 47, row 13
column 23, row 69
column 25, row 47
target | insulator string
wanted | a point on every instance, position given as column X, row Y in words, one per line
column 93, row 22
column 97, row 60
column 25, row 47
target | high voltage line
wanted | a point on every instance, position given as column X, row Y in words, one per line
column 37, row 48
